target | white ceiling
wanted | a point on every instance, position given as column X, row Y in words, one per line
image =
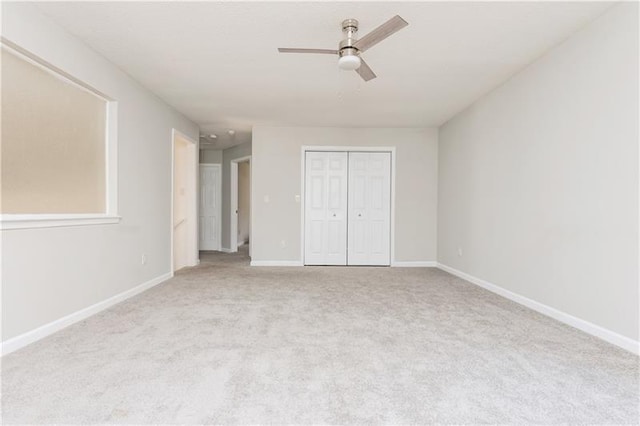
column 218, row 63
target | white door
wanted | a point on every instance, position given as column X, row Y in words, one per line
column 210, row 206
column 325, row 208
column 369, row 208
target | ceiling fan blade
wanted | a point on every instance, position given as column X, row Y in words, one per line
column 383, row 31
column 365, row 72
column 296, row 50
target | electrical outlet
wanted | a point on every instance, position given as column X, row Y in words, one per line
column 459, row 251
column 297, row 198
column 283, row 244
column 144, row 259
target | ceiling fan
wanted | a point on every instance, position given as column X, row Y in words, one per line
column 350, row 48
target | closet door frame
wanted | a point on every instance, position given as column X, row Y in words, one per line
column 390, row 149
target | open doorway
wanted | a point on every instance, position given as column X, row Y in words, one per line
column 184, row 227
column 241, row 204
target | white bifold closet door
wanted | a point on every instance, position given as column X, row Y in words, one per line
column 326, row 208
column 369, row 208
column 347, row 208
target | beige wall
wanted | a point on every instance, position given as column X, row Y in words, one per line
column 50, row 273
column 53, row 142
column 539, row 179
column 244, row 201
column 276, row 174
column 180, row 200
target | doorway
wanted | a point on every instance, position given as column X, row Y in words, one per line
column 240, row 204
column 184, row 227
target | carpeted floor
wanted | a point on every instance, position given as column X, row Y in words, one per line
column 226, row 343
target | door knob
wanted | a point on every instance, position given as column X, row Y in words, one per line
column 359, row 214
column 334, row 215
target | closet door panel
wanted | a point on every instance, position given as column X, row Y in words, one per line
column 315, row 177
column 325, row 208
column 369, row 208
column 337, row 186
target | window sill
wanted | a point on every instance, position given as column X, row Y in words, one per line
column 31, row 221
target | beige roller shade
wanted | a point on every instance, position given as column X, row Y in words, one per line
column 53, row 142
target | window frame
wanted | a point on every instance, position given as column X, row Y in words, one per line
column 44, row 220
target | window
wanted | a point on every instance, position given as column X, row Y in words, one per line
column 58, row 147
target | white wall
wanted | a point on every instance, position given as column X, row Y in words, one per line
column 210, row 156
column 50, row 273
column 229, row 154
column 276, row 172
column 538, row 180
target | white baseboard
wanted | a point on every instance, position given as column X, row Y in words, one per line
column 408, row 264
column 24, row 339
column 586, row 326
column 226, row 250
column 276, row 263
column 415, row 264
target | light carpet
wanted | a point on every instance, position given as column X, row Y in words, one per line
column 225, row 343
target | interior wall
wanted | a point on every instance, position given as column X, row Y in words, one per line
column 180, row 199
column 244, row 201
column 277, row 179
column 538, row 182
column 209, row 156
column 53, row 272
column 228, row 155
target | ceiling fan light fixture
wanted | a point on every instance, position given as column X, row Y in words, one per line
column 349, row 62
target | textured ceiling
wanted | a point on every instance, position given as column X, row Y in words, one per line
column 218, row 62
